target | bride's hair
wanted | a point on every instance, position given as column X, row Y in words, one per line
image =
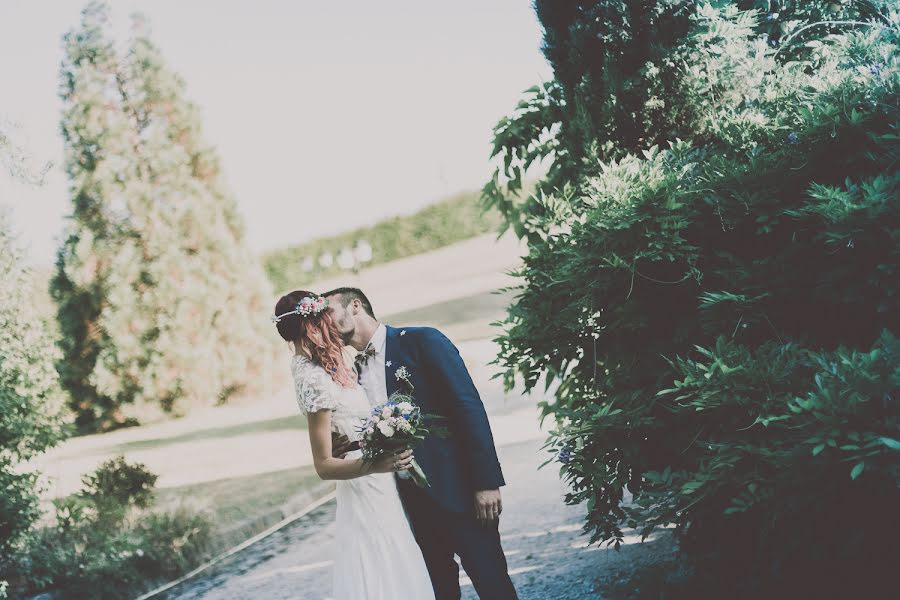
column 315, row 334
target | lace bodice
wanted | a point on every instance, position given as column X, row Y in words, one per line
column 316, row 391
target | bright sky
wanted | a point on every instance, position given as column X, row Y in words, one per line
column 327, row 115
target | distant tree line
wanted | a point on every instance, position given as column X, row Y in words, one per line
column 451, row 220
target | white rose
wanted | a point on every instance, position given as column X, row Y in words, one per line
column 385, row 428
column 405, row 407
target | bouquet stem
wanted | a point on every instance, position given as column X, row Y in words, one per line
column 418, row 475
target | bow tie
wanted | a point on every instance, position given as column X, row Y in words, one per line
column 363, row 357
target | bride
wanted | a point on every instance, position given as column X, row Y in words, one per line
column 378, row 558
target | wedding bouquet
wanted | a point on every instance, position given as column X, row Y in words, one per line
column 396, row 425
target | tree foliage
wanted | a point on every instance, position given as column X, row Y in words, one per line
column 16, row 161
column 712, row 277
column 160, row 303
column 30, row 398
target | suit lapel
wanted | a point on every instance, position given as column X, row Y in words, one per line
column 391, row 359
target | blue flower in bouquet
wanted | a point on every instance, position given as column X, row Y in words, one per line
column 875, row 69
column 792, row 138
column 565, row 455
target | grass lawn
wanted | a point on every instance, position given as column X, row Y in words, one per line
column 241, row 507
column 295, row 422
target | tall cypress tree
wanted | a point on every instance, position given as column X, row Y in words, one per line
column 98, row 146
column 160, row 301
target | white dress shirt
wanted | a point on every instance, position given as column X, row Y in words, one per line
column 372, row 373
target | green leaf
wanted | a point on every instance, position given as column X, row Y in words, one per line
column 857, row 470
column 890, row 442
column 691, row 486
column 818, row 449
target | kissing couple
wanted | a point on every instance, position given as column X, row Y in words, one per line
column 396, row 540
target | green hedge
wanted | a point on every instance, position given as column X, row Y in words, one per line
column 719, row 309
column 457, row 218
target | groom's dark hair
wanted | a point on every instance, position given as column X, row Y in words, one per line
column 349, row 294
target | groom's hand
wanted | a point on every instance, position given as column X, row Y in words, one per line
column 488, row 506
column 341, row 445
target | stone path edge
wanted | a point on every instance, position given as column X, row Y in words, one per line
column 327, row 497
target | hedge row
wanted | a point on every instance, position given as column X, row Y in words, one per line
column 457, row 218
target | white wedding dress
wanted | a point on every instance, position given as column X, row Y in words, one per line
column 377, row 556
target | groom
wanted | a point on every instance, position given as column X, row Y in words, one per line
column 459, row 513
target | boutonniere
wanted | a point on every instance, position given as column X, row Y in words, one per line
column 402, row 375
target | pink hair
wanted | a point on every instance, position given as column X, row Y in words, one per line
column 316, row 336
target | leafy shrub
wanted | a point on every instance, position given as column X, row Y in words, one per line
column 116, row 487
column 104, row 543
column 822, row 439
column 454, row 219
column 172, row 544
column 120, row 483
column 720, row 310
column 30, row 399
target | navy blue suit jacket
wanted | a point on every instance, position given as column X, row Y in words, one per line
column 466, row 460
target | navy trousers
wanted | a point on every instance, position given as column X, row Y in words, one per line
column 441, row 534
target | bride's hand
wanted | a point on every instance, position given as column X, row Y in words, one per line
column 391, row 463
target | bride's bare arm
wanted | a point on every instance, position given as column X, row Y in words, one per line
column 329, row 467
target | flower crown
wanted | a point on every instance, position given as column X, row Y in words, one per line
column 306, row 307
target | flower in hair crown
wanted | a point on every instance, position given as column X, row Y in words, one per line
column 306, row 307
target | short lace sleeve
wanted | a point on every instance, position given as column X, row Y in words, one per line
column 315, row 389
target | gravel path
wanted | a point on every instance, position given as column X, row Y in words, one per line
column 547, row 554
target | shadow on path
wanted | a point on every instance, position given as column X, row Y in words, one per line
column 548, row 555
